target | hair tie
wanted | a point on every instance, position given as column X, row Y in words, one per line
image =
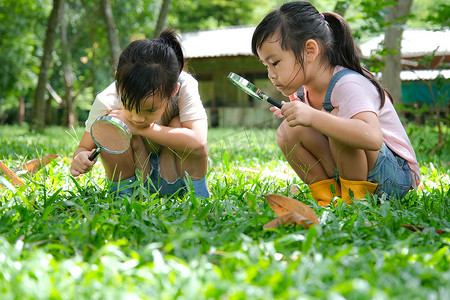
column 163, row 40
column 323, row 17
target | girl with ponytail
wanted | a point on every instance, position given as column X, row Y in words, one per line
column 161, row 105
column 341, row 133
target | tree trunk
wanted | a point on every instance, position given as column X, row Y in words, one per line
column 111, row 31
column 48, row 111
column 341, row 7
column 68, row 104
column 21, row 112
column 162, row 17
column 39, row 107
column 395, row 19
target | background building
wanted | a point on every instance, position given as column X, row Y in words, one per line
column 213, row 54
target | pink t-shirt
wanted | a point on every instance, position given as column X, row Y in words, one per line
column 353, row 94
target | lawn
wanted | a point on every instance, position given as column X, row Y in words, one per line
column 63, row 238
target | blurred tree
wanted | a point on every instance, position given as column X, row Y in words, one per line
column 395, row 19
column 190, row 15
column 22, row 31
column 341, row 7
column 111, row 31
column 39, row 105
column 164, row 10
column 68, row 103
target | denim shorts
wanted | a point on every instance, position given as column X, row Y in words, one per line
column 154, row 182
column 392, row 174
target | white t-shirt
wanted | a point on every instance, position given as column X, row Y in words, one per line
column 353, row 94
column 187, row 103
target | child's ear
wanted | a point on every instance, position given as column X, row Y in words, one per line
column 176, row 90
column 311, row 50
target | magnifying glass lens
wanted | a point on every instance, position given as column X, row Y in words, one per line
column 251, row 89
column 244, row 85
column 110, row 136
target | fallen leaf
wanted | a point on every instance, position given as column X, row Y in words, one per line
column 245, row 169
column 421, row 228
column 290, row 211
column 33, row 165
column 10, row 174
column 283, row 205
column 295, row 189
column 289, row 218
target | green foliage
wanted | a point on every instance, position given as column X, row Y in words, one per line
column 190, row 15
column 22, row 34
column 24, row 25
column 434, row 14
column 441, row 16
column 70, row 238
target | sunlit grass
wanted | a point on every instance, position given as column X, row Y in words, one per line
column 66, row 238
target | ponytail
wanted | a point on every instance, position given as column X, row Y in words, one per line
column 169, row 37
column 347, row 54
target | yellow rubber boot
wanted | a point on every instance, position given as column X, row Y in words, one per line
column 358, row 189
column 322, row 193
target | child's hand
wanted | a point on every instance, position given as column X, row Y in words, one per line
column 277, row 111
column 81, row 163
column 297, row 113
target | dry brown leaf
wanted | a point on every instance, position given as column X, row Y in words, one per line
column 283, row 205
column 295, row 189
column 10, row 174
column 289, row 218
column 245, row 169
column 421, row 228
column 33, row 165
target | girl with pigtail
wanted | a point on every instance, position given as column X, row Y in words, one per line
column 341, row 133
column 161, row 105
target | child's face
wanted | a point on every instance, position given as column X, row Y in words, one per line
column 150, row 111
column 283, row 69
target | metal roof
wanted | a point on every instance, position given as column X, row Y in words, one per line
column 423, row 74
column 415, row 42
column 230, row 41
column 234, row 41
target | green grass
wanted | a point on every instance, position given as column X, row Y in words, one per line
column 63, row 238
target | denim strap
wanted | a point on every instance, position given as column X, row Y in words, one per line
column 300, row 94
column 174, row 100
column 327, row 102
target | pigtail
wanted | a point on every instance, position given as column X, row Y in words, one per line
column 346, row 55
column 169, row 37
column 344, row 51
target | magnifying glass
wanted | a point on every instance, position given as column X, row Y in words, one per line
column 251, row 89
column 111, row 135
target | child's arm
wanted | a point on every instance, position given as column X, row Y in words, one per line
column 81, row 163
column 190, row 137
column 362, row 131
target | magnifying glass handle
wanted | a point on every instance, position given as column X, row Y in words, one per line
column 95, row 154
column 274, row 102
column 271, row 100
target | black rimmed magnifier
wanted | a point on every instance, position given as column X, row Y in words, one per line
column 251, row 89
column 110, row 135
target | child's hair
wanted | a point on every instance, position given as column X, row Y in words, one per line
column 149, row 67
column 297, row 22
